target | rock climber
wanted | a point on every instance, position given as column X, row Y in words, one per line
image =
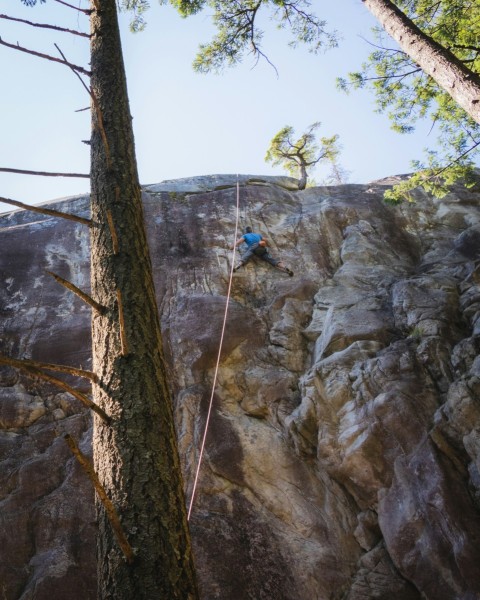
column 257, row 246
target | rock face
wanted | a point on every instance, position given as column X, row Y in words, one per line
column 343, row 452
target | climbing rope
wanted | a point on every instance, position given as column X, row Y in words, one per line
column 202, row 448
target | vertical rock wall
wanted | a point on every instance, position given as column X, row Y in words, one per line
column 342, row 456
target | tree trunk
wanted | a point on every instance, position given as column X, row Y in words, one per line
column 450, row 73
column 302, row 182
column 136, row 456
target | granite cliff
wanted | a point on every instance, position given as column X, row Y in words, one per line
column 343, row 454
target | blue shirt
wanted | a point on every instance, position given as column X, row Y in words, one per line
column 251, row 238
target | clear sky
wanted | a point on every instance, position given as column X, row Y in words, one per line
column 187, row 124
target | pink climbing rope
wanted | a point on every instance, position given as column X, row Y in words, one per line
column 207, row 422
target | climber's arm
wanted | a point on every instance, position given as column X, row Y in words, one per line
column 239, row 241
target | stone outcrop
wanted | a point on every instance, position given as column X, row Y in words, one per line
column 343, row 453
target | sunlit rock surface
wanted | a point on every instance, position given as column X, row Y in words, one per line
column 343, row 453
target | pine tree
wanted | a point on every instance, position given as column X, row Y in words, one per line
column 437, row 61
column 296, row 156
column 432, row 73
column 136, row 454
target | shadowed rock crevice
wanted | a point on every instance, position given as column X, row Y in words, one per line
column 342, row 460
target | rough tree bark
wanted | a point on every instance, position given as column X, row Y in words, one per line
column 450, row 73
column 136, row 456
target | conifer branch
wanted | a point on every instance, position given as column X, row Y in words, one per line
column 98, row 111
column 113, row 232
column 45, row 56
column 68, row 64
column 111, row 513
column 83, row 10
column 73, row 288
column 75, row 393
column 50, row 367
column 43, row 173
column 47, row 211
column 35, row 372
column 121, row 321
column 46, row 26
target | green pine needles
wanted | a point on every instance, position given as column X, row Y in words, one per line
column 297, row 156
column 407, row 94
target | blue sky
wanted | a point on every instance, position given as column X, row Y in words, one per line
column 187, row 124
